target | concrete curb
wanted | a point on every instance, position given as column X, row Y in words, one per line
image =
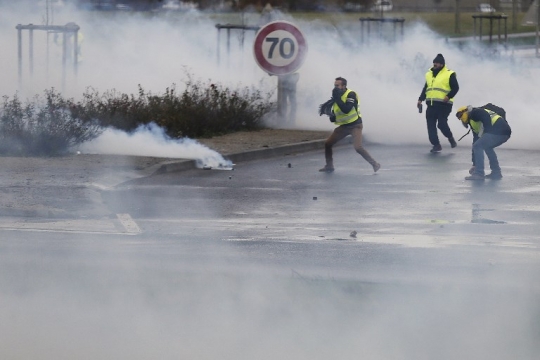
column 250, row 155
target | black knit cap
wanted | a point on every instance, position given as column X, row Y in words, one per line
column 439, row 59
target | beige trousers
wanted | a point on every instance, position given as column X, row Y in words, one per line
column 341, row 132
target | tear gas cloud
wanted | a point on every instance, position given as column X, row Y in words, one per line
column 114, row 302
column 139, row 300
column 122, row 50
column 156, row 144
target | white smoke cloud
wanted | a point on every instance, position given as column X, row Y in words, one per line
column 122, row 50
column 60, row 303
column 151, row 140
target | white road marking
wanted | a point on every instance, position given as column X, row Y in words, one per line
column 125, row 225
column 129, row 224
column 74, row 231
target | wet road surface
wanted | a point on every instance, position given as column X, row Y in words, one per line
column 277, row 260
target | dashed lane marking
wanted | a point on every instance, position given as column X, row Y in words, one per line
column 129, row 224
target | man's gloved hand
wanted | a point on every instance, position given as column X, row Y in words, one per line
column 336, row 94
column 322, row 110
column 326, row 108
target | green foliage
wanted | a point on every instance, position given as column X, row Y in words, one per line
column 53, row 125
column 42, row 126
column 201, row 110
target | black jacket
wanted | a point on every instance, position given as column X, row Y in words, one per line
column 500, row 127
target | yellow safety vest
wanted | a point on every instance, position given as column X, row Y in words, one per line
column 439, row 86
column 478, row 126
column 341, row 117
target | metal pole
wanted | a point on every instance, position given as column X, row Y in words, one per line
column 228, row 45
column 75, row 51
column 457, row 29
column 499, row 30
column 505, row 32
column 514, row 15
column 218, row 43
column 64, row 53
column 362, row 31
column 363, row 24
column 281, row 108
column 537, row 27
column 31, row 52
column 242, row 40
column 47, row 57
column 19, row 54
column 490, row 30
column 480, row 35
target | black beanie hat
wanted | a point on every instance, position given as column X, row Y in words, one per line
column 439, row 59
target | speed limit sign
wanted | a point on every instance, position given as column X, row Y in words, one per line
column 280, row 48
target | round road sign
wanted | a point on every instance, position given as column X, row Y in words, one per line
column 280, row 48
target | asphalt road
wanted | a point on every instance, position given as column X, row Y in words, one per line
column 277, row 260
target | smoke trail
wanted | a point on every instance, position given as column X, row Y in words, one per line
column 151, row 140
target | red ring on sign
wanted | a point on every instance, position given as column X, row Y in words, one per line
column 280, row 70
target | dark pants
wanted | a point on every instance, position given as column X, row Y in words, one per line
column 437, row 117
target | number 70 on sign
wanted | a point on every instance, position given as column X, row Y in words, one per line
column 280, row 48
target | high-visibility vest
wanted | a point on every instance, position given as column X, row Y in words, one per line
column 478, row 126
column 438, row 86
column 351, row 116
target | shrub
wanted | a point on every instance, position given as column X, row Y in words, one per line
column 54, row 125
column 42, row 127
column 201, row 110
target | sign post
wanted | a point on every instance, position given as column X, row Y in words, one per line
column 280, row 49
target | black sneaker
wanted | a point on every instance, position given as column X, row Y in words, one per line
column 436, row 148
column 453, row 142
column 494, row 176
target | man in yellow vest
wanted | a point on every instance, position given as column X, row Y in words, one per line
column 439, row 90
column 489, row 131
column 343, row 111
